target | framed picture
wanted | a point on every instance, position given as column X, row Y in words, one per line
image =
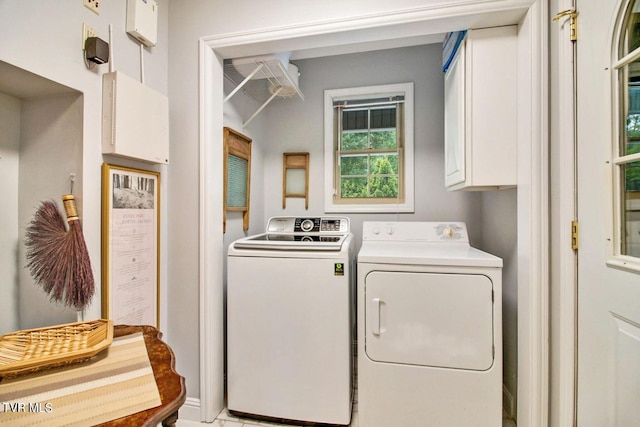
column 237, row 175
column 130, row 245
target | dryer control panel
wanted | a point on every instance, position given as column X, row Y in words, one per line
column 406, row 231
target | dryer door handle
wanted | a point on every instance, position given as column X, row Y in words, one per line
column 376, row 306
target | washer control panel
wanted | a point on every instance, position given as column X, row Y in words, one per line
column 333, row 225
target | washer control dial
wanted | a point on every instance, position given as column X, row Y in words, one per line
column 306, row 225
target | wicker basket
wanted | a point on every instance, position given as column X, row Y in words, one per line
column 31, row 350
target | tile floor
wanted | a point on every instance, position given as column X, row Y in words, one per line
column 227, row 420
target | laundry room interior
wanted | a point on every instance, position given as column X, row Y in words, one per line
column 393, row 54
column 295, row 125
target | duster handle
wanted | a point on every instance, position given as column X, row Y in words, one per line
column 70, row 207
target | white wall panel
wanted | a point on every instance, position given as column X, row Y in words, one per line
column 9, row 234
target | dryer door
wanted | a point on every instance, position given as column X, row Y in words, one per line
column 429, row 319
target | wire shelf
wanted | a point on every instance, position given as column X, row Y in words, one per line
column 263, row 79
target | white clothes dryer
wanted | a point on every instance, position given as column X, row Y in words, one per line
column 429, row 327
column 291, row 321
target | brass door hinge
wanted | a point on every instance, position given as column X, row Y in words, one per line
column 573, row 21
column 574, row 235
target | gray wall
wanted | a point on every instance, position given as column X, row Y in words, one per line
column 9, row 225
column 236, row 111
column 499, row 229
column 44, row 38
column 296, row 125
column 51, row 128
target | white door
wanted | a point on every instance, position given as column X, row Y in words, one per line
column 608, row 392
column 429, row 319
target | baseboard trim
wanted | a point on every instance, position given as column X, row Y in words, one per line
column 190, row 410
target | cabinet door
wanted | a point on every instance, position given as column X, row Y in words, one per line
column 454, row 120
column 491, row 106
column 429, row 319
column 481, row 111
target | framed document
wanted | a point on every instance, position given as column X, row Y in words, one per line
column 237, row 175
column 130, row 245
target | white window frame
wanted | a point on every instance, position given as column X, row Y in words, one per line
column 368, row 92
column 615, row 257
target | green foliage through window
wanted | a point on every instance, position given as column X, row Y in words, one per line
column 369, row 176
column 369, row 153
column 632, row 170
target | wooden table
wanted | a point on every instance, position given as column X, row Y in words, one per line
column 170, row 383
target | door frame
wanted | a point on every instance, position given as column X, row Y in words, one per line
column 563, row 212
column 564, row 278
column 533, row 177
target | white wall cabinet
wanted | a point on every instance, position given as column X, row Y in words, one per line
column 135, row 119
column 481, row 111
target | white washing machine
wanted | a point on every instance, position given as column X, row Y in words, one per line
column 291, row 321
column 429, row 327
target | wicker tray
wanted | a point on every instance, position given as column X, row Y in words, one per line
column 31, row 350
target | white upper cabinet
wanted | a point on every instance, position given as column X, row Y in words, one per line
column 481, row 111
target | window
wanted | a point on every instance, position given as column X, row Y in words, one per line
column 369, row 149
column 626, row 155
